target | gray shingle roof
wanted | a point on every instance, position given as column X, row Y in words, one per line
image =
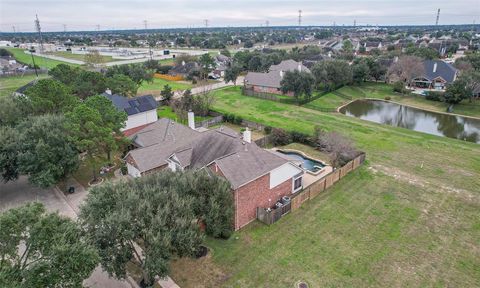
column 134, row 105
column 270, row 79
column 240, row 162
column 288, row 65
column 443, row 69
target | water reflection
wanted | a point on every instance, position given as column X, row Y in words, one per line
column 415, row 119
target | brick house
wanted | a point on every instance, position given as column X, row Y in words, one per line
column 258, row 177
column 270, row 82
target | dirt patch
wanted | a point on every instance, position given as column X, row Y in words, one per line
column 417, row 181
column 201, row 273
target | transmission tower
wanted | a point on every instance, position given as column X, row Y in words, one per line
column 354, row 23
column 13, row 27
column 206, row 23
column 39, row 30
column 267, row 23
column 299, row 17
column 145, row 24
column 64, row 28
column 150, row 52
column 98, row 27
column 438, row 17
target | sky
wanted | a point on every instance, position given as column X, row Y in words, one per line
column 130, row 14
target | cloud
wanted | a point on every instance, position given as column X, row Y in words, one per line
column 122, row 14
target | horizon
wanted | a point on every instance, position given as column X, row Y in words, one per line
column 110, row 15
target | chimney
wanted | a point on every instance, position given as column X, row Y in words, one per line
column 191, row 120
column 183, row 63
column 299, row 66
column 281, row 73
column 108, row 91
column 247, row 136
column 435, row 67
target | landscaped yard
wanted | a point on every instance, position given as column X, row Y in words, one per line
column 409, row 217
column 8, row 85
column 167, row 112
column 23, row 57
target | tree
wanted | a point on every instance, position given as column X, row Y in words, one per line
column 50, row 96
column 225, row 52
column 53, row 252
column 167, row 93
column 89, row 83
column 248, row 44
column 9, row 139
column 472, row 82
column 231, row 74
column 64, row 73
column 360, row 72
column 122, row 84
column 300, row 83
column 136, row 72
column 406, row 69
column 10, row 111
column 93, row 127
column 457, row 91
column 207, row 64
column 148, row 220
column 43, row 150
column 347, row 46
column 94, row 59
column 332, row 74
column 339, row 148
column 474, row 59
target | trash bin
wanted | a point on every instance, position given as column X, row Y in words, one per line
column 71, row 189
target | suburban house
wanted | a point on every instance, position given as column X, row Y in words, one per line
column 141, row 110
column 270, row 82
column 222, row 62
column 437, row 75
column 258, row 177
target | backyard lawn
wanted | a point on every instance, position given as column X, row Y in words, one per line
column 8, row 85
column 409, row 217
column 23, row 57
column 167, row 112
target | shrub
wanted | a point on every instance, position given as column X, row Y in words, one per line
column 268, row 130
column 280, row 137
column 228, row 117
column 300, row 137
column 399, row 87
column 124, row 169
column 164, row 69
column 388, row 98
column 238, row 120
column 435, row 96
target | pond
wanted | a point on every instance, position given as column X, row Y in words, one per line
column 397, row 115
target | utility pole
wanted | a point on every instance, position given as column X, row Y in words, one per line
column 39, row 30
column 438, row 17
column 150, row 52
column 299, row 17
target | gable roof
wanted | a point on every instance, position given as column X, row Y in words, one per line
column 240, row 162
column 134, row 105
column 442, row 69
column 270, row 79
column 289, row 65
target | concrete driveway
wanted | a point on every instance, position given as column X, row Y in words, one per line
column 20, row 192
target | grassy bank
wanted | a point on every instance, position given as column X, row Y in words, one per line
column 8, row 85
column 23, row 57
column 408, row 218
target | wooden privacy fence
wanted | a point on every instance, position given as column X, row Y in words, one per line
column 325, row 182
column 270, row 216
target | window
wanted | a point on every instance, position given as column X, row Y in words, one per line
column 297, row 184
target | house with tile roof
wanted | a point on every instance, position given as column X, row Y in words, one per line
column 141, row 110
column 258, row 177
column 270, row 82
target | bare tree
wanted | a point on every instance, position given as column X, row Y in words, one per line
column 339, row 148
column 93, row 59
column 406, row 69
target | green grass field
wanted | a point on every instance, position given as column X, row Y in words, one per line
column 167, row 112
column 158, row 84
column 23, row 57
column 408, row 218
column 8, row 85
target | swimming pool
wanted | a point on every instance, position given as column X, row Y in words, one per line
column 307, row 163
